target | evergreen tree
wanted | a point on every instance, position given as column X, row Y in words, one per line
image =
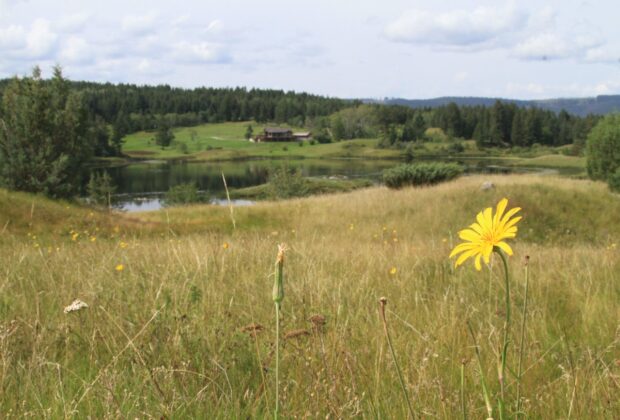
column 248, row 132
column 45, row 135
column 517, row 135
column 164, row 135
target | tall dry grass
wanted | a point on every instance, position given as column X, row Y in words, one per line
column 185, row 329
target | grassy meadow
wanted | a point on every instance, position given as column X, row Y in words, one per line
column 180, row 319
column 225, row 141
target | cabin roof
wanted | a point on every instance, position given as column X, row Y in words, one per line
column 277, row 130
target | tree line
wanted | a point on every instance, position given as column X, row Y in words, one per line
column 50, row 127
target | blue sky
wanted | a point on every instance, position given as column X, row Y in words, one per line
column 370, row 49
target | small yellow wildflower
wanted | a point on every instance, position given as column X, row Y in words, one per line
column 392, row 271
column 93, row 238
column 123, row 245
column 225, row 245
column 489, row 232
column 119, row 267
column 75, row 236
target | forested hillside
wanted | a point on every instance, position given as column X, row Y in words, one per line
column 599, row 105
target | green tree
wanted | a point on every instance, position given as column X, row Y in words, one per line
column 45, row 135
column 164, row 135
column 120, row 129
column 100, row 189
column 338, row 129
column 517, row 136
column 249, row 131
column 603, row 148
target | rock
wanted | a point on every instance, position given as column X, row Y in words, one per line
column 487, row 185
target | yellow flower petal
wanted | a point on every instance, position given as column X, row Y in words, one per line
column 504, row 247
column 501, row 206
column 465, row 246
column 477, row 262
column 469, row 235
column 464, row 256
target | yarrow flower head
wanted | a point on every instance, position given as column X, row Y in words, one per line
column 488, row 232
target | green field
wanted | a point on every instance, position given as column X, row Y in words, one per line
column 172, row 294
column 225, row 141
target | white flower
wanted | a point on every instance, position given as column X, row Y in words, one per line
column 76, row 305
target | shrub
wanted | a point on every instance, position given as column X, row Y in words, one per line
column 182, row 147
column 287, row 183
column 614, row 181
column 182, row 194
column 100, row 189
column 603, row 148
column 456, row 147
column 420, row 174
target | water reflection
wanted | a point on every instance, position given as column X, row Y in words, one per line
column 141, row 186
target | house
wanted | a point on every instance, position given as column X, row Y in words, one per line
column 302, row 135
column 277, row 134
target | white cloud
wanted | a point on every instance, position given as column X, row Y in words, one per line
column 603, row 54
column 460, row 76
column 215, row 26
column 547, row 46
column 40, row 41
column 457, row 28
column 555, row 46
column 76, row 50
column 203, row 52
column 140, row 24
column 12, row 37
column 73, row 23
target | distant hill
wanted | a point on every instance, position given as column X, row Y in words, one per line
column 603, row 104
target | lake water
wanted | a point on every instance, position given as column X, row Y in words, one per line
column 141, row 186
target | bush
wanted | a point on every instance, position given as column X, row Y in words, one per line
column 614, row 181
column 603, row 148
column 287, row 183
column 100, row 189
column 456, row 147
column 420, row 174
column 182, row 194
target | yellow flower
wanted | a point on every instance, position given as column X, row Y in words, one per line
column 119, row 267
column 123, row 245
column 392, row 271
column 489, row 232
column 75, row 236
column 93, row 238
column 225, row 245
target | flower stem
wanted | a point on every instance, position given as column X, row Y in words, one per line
column 277, row 360
column 463, row 407
column 521, row 345
column 504, row 353
column 485, row 391
column 383, row 302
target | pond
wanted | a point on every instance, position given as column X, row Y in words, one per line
column 141, row 186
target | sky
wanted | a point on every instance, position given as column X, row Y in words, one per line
column 528, row 49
